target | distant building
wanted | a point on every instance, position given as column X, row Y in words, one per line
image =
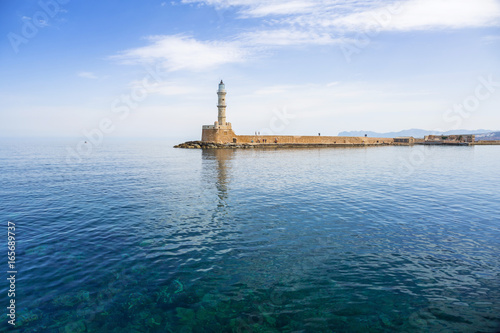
column 457, row 139
column 404, row 140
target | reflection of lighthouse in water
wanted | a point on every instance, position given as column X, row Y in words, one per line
column 218, row 165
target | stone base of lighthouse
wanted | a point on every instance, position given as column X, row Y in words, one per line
column 218, row 134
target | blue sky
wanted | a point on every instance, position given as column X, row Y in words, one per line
column 151, row 68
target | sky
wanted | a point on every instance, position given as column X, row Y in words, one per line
column 150, row 68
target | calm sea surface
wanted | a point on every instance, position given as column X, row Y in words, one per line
column 141, row 237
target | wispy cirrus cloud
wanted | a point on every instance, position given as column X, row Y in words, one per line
column 180, row 52
column 356, row 14
column 88, row 75
column 284, row 37
column 423, row 15
column 279, row 8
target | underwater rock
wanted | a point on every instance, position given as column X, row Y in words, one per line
column 70, row 300
column 385, row 320
column 65, row 301
column 446, row 315
column 139, row 269
column 186, row 315
column 136, row 300
column 72, row 256
column 146, row 242
column 83, row 296
column 210, row 299
column 154, row 320
column 39, row 250
column 169, row 293
column 203, row 314
column 266, row 313
column 75, row 327
column 416, row 321
column 237, row 325
column 85, row 312
column 143, row 315
column 27, row 316
column 184, row 329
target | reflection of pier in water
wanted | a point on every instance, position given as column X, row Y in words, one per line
column 217, row 162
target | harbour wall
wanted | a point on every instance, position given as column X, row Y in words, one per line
column 228, row 136
column 487, row 143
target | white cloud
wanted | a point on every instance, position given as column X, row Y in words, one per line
column 424, row 15
column 178, row 52
column 88, row 75
column 282, row 37
column 359, row 14
column 279, row 8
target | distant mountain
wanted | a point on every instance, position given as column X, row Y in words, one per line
column 488, row 136
column 420, row 133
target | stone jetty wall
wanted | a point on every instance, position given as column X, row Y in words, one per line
column 311, row 139
column 220, row 135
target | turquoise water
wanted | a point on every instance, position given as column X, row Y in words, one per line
column 141, row 237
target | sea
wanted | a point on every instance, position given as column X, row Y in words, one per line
column 136, row 236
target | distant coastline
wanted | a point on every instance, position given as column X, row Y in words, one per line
column 481, row 134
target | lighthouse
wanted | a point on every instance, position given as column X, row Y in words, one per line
column 221, row 122
column 221, row 130
column 221, row 105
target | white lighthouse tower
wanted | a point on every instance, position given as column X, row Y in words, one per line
column 221, row 105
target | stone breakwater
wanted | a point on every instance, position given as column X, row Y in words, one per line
column 213, row 145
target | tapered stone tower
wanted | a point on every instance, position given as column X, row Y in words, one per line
column 221, row 93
